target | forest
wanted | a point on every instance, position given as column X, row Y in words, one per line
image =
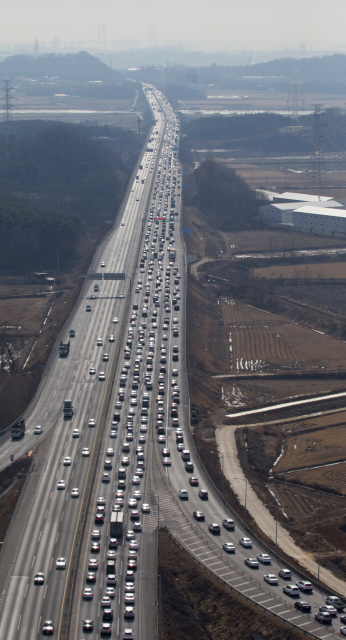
column 55, row 180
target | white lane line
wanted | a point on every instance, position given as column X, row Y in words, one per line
column 45, row 591
column 51, row 562
column 241, row 584
column 51, row 495
column 276, row 605
column 268, row 600
column 39, row 625
column 57, row 536
column 26, row 589
column 62, row 515
column 20, row 619
column 253, row 589
column 45, row 515
column 212, row 564
column 39, row 537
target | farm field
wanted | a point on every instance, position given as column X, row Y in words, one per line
column 272, row 240
column 331, row 478
column 318, row 447
column 303, row 271
column 263, row 341
column 246, row 393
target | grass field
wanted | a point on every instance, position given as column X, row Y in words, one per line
column 303, row 272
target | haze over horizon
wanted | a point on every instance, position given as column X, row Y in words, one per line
column 270, row 24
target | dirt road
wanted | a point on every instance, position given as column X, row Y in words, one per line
column 225, row 437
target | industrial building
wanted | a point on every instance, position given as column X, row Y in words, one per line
column 319, row 215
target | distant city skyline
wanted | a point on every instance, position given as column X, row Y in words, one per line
column 269, row 25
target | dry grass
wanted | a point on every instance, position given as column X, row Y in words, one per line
column 328, row 478
column 314, row 448
column 303, row 271
column 271, row 240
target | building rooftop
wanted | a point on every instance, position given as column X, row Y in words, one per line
column 321, row 211
column 302, row 197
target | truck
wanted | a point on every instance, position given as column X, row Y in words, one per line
column 64, row 349
column 116, row 528
column 18, row 429
column 67, row 409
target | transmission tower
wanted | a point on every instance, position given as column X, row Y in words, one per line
column 295, row 100
column 7, row 99
column 102, row 35
column 152, row 36
column 317, row 165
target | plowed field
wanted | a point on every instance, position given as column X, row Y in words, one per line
column 314, row 448
column 263, row 341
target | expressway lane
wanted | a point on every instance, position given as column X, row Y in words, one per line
column 52, row 522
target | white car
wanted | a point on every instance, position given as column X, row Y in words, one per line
column 99, row 342
column 111, row 339
column 102, row 376
column 60, row 563
column 75, row 493
column 61, row 484
column 37, row 430
column 246, row 542
column 85, row 452
column 92, row 422
column 103, row 264
column 145, row 508
column 115, row 320
column 75, row 433
column 67, row 461
column 183, row 494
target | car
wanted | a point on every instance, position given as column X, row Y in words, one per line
column 337, row 603
column 111, row 339
column 37, row 430
column 48, row 628
column 122, row 224
column 305, row 586
column 99, row 518
column 323, row 617
column 183, row 494
column 246, row 542
column 137, row 526
column 75, row 493
column 103, row 264
column 167, row 462
column 102, row 376
column 227, row 523
column 285, row 574
column 328, row 608
column 95, row 534
column 271, row 578
column 88, row 625
column 111, row 580
column 132, row 502
column 252, row 563
column 75, row 433
column 199, row 515
column 304, row 607
column 92, row 371
column 145, row 508
column 106, row 628
column 115, row 320
column 110, row 452
column 264, row 558
column 111, row 554
column 189, row 467
column 113, row 433
column 214, row 528
column 129, row 612
column 128, row 634
column 291, row 590
column 134, row 515
column 343, row 631
column 129, row 587
column 130, row 535
column 193, row 481
column 61, row 485
column 129, row 598
column 95, row 547
column 133, row 544
column 39, row 578
column 87, row 594
column 92, row 422
column 203, row 494
column 60, row 563
column 228, row 547
column 137, row 495
column 106, row 602
column 85, row 452
column 106, row 477
column 110, row 591
column 67, row 461
column 88, row 307
column 92, row 564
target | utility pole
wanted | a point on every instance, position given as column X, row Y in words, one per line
column 7, row 99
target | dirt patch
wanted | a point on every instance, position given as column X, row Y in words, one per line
column 196, row 605
column 272, row 241
column 324, row 446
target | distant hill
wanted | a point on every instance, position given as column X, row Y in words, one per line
column 328, row 69
column 79, row 67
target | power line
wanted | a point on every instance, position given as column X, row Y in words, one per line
column 7, row 99
column 317, row 166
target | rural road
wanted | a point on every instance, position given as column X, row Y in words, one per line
column 226, row 443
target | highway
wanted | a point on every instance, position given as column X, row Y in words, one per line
column 160, row 286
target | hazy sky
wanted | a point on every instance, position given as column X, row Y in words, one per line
column 274, row 22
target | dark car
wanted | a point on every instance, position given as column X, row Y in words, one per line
column 189, row 467
column 305, row 607
column 203, row 494
column 323, row 618
column 214, row 528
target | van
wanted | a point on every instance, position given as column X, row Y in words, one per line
column 110, row 567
